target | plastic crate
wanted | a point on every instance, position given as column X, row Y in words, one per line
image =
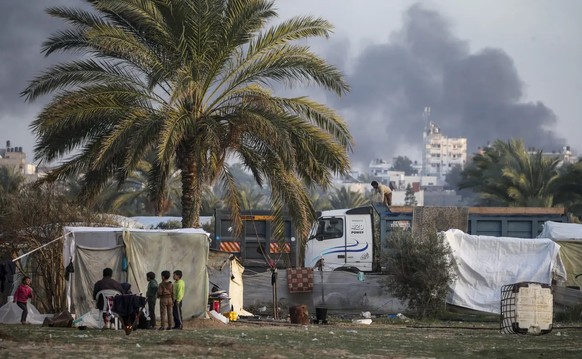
column 526, row 308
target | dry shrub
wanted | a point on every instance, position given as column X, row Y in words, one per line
column 36, row 216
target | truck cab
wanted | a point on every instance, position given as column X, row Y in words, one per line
column 342, row 238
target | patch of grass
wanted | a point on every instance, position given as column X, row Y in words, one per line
column 340, row 339
column 6, row 336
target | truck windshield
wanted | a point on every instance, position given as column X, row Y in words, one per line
column 329, row 228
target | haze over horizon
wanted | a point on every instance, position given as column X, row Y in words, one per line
column 487, row 72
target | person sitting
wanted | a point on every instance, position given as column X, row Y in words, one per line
column 107, row 282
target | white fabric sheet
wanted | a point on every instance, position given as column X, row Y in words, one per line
column 483, row 264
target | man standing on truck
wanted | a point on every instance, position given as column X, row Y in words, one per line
column 385, row 193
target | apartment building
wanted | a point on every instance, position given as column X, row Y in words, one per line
column 441, row 153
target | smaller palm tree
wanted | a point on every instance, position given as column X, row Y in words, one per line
column 344, row 198
column 252, row 198
column 210, row 202
column 147, row 190
column 568, row 188
column 507, row 174
column 319, row 199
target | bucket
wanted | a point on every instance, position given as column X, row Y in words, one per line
column 232, row 316
column 216, row 306
column 321, row 315
column 298, row 314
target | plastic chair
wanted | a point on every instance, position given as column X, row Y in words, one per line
column 107, row 308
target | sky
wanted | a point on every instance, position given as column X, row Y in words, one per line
column 487, row 69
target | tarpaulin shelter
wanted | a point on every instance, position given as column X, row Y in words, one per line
column 483, row 264
column 10, row 313
column 569, row 237
column 131, row 253
column 226, row 273
column 561, row 231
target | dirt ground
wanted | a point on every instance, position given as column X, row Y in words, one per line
column 206, row 338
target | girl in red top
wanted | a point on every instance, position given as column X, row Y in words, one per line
column 23, row 292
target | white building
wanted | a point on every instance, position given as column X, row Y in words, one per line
column 14, row 158
column 566, row 155
column 440, row 153
column 379, row 168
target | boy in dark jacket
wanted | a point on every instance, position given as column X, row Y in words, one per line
column 151, row 296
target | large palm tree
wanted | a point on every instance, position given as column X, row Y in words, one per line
column 190, row 80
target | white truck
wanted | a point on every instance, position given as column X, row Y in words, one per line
column 352, row 239
column 342, row 238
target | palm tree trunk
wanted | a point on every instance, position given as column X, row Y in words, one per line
column 191, row 192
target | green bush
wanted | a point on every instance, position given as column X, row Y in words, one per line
column 419, row 271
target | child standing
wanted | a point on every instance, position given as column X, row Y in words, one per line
column 151, row 296
column 21, row 296
column 165, row 293
column 179, row 288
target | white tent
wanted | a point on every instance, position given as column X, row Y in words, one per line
column 561, row 231
column 483, row 264
column 91, row 249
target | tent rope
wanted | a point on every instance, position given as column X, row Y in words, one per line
column 36, row 249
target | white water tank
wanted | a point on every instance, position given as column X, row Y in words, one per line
column 527, row 308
